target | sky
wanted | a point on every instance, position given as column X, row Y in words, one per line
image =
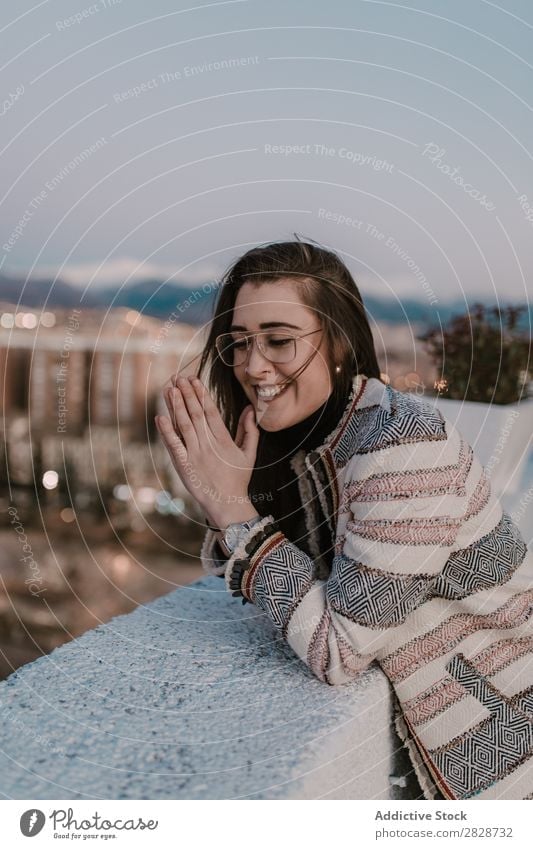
column 167, row 138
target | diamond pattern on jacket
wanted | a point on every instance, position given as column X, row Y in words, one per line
column 372, row 597
column 524, row 701
column 409, row 421
column 486, row 563
column 289, row 575
column 494, row 748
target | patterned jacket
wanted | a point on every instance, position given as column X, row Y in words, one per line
column 428, row 577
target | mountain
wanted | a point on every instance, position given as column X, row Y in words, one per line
column 37, row 293
column 155, row 298
column 193, row 304
column 150, row 297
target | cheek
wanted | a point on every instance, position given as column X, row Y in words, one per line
column 317, row 377
column 238, row 374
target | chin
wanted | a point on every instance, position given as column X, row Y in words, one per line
column 272, row 428
column 272, row 425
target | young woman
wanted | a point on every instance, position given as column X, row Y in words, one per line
column 358, row 519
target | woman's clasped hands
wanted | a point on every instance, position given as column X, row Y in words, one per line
column 215, row 469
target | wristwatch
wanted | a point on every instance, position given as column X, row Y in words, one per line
column 236, row 531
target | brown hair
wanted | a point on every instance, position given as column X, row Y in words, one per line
column 325, row 285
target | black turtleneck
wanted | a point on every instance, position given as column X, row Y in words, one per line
column 274, row 486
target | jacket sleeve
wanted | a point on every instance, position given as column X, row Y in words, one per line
column 398, row 522
column 211, row 555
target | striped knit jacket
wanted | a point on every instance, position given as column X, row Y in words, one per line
column 429, row 577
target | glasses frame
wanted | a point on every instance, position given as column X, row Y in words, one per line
column 248, row 336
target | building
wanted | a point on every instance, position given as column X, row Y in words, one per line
column 84, row 385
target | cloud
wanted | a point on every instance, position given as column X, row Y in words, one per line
column 126, row 270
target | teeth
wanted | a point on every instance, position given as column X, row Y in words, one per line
column 268, row 392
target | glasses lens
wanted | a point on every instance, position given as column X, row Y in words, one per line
column 229, row 346
column 277, row 347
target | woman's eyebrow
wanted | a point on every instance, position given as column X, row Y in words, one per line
column 267, row 324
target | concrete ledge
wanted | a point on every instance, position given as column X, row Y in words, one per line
column 500, row 435
column 193, row 696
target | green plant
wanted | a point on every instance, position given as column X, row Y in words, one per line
column 482, row 355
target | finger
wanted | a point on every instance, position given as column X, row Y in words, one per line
column 173, row 443
column 251, row 435
column 169, row 401
column 184, row 426
column 239, row 436
column 173, row 379
column 168, row 386
column 212, row 415
column 194, row 407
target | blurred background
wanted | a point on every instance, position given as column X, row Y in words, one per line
column 142, row 149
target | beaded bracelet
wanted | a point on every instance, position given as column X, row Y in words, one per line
column 259, row 538
column 239, row 567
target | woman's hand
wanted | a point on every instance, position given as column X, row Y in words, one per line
column 214, row 469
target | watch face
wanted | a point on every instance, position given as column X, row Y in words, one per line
column 231, row 537
column 235, row 532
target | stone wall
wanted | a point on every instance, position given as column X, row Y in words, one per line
column 194, row 696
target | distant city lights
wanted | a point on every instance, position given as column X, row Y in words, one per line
column 50, row 479
column 146, row 495
column 162, row 499
column 27, row 320
column 122, row 492
column 132, row 317
column 7, row 320
column 47, row 319
column 149, row 499
column 168, row 506
column 121, row 564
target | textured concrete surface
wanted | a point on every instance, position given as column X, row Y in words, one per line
column 192, row 696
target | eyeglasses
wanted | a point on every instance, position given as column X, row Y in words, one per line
column 276, row 347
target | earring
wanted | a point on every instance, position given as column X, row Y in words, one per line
column 337, row 369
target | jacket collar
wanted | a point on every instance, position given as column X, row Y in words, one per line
column 356, row 393
column 317, row 469
column 365, row 393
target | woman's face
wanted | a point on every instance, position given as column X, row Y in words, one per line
column 277, row 306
